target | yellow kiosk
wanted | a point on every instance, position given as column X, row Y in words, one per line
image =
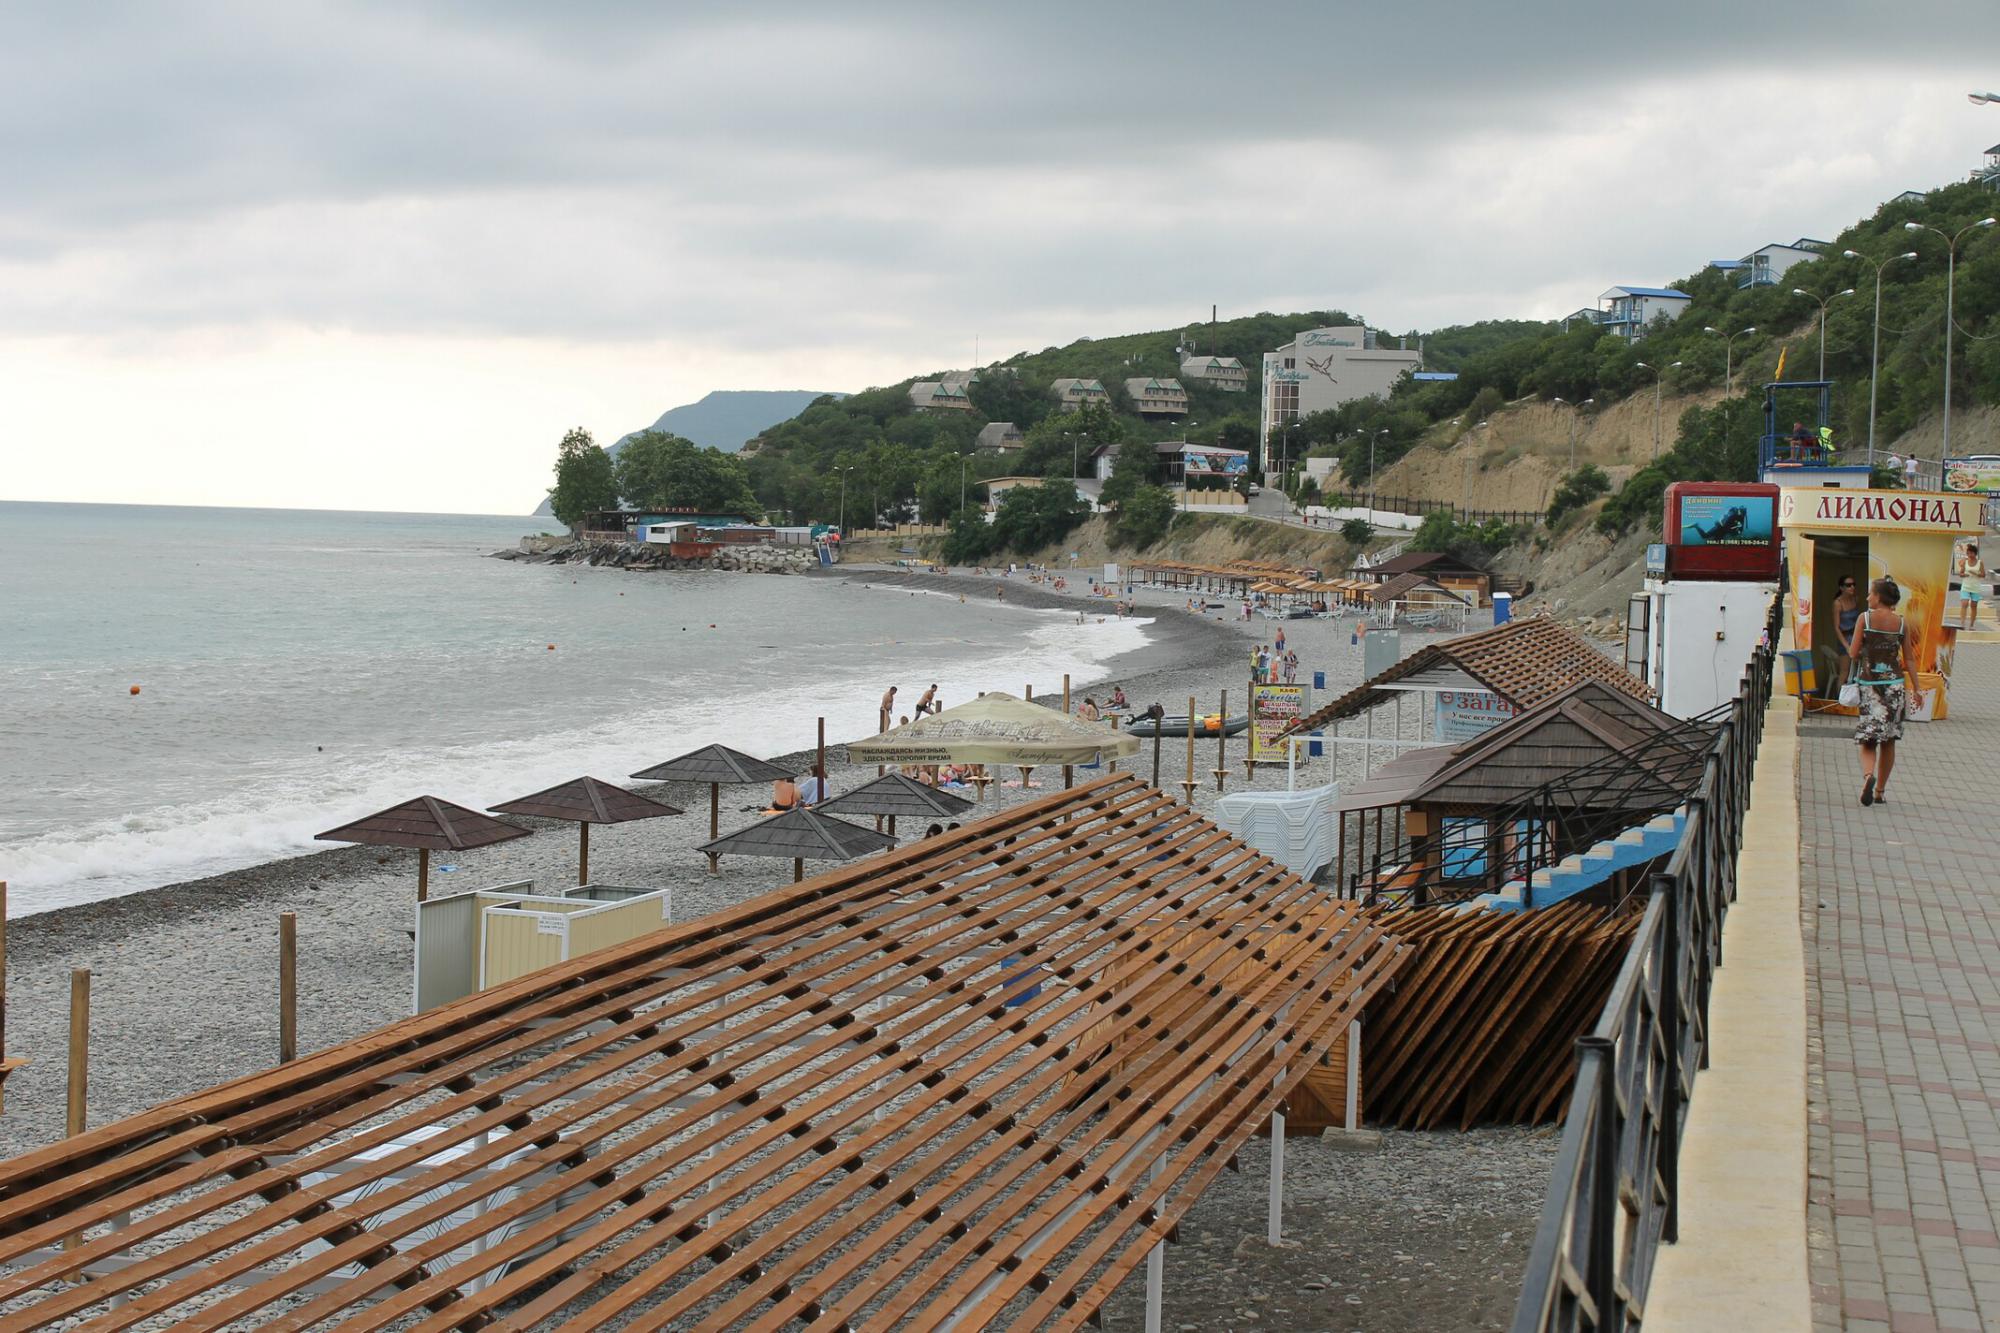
column 1908, row 536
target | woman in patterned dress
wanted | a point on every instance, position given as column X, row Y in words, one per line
column 1880, row 651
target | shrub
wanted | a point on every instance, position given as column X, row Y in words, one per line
column 1578, row 489
column 1357, row 531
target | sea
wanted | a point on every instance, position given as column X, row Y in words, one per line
column 185, row 691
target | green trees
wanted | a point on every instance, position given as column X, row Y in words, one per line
column 1356, row 531
column 1031, row 517
column 1144, row 516
column 657, row 470
column 1578, row 489
column 584, row 479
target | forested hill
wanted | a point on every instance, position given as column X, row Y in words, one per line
column 725, row 418
column 894, row 458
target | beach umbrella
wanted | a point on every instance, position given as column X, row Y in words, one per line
column 716, row 765
column 428, row 825
column 803, row 835
column 995, row 729
column 892, row 794
column 586, row 801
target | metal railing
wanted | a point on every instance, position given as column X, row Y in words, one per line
column 1420, row 505
column 1614, row 1193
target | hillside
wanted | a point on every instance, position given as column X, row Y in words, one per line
column 725, row 418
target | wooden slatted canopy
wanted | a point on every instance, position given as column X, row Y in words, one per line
column 877, row 1099
column 586, row 801
column 429, row 825
column 803, row 835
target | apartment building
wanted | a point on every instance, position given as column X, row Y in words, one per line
column 1322, row 368
column 1073, row 394
column 1217, row 372
column 940, row 396
column 1157, row 397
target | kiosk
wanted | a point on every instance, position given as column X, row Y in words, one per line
column 1904, row 535
column 1707, row 599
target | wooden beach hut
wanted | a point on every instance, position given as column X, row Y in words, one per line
column 429, row 825
column 586, row 801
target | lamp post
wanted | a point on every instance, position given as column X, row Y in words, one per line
column 1950, row 277
column 1658, row 374
column 1371, row 471
column 1572, row 424
column 1728, row 355
column 843, row 471
column 961, row 483
column 1875, row 347
column 1977, row 98
column 1822, row 302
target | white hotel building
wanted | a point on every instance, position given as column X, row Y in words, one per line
column 1321, row 369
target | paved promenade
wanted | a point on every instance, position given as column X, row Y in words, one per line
column 1900, row 908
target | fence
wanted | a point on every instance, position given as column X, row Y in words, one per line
column 1614, row 1193
column 1405, row 504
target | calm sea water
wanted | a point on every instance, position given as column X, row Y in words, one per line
column 299, row 668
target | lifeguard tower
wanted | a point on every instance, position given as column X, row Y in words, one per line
column 1787, row 458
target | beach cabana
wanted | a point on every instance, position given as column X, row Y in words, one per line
column 429, row 825
column 892, row 794
column 995, row 729
column 586, row 801
column 717, row 765
column 803, row 835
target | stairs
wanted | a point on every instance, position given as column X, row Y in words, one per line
column 1588, row 869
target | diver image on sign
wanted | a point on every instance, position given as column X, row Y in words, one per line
column 1726, row 520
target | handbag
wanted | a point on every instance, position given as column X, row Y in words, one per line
column 1850, row 694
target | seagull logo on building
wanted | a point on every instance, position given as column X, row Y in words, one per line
column 1324, row 367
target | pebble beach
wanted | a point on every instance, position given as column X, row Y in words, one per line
column 184, row 976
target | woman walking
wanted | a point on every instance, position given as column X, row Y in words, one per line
column 1972, row 585
column 1880, row 649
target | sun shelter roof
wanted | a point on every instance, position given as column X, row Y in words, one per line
column 587, row 801
column 1523, row 661
column 994, row 729
column 1590, row 723
column 894, row 794
column 978, row 1077
column 714, row 763
column 426, row 822
column 1402, row 585
column 801, row 833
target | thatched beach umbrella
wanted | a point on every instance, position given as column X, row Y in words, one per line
column 586, row 801
column 428, row 825
column 893, row 794
column 802, row 835
column 715, row 765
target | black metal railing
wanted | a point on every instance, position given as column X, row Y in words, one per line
column 1615, row 1190
column 1409, row 504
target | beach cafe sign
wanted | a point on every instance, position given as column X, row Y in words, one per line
column 1903, row 510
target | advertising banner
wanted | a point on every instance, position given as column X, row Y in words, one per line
column 1216, row 462
column 1272, row 709
column 1727, row 520
column 1976, row 476
column 1464, row 714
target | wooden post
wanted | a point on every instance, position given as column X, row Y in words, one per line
column 1069, row 770
column 1158, row 727
column 1114, row 734
column 819, row 758
column 1250, row 733
column 1188, row 784
column 79, row 1050
column 1221, row 737
column 798, row 869
column 288, row 986
column 714, row 822
column 6, row 1066
column 583, row 851
column 423, row 873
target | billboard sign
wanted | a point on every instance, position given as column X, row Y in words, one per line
column 1728, row 520
column 1215, row 462
column 1272, row 709
column 1464, row 714
column 1974, row 476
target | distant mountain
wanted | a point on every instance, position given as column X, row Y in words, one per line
column 725, row 419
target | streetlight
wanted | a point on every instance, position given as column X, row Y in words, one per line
column 962, row 461
column 1572, row 424
column 1371, row 471
column 1658, row 373
column 1875, row 348
column 1977, row 98
column 843, row 471
column 1822, row 302
column 1950, row 276
column 1728, row 355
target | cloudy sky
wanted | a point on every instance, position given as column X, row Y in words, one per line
column 381, row 255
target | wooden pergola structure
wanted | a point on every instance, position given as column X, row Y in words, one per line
column 886, row 1097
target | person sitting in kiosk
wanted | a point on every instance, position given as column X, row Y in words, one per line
column 1801, row 441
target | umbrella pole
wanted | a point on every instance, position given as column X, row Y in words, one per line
column 1188, row 784
column 423, row 873
column 714, row 821
column 798, row 869
column 583, row 851
column 1222, row 739
column 1157, row 729
column 1069, row 770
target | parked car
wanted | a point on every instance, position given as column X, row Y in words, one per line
column 1255, row 489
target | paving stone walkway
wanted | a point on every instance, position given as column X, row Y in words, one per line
column 1901, row 914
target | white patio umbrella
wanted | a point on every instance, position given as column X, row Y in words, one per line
column 995, row 729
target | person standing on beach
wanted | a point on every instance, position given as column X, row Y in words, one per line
column 927, row 704
column 1881, row 652
column 888, row 709
column 1278, row 644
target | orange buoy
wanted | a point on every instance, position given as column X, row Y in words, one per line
column 552, row 647
column 135, row 689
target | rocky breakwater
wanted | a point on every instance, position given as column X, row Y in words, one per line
column 748, row 559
